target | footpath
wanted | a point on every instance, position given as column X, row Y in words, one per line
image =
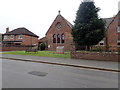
column 89, row 64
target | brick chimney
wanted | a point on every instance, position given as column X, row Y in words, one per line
column 7, row 30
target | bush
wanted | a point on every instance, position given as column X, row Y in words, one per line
column 42, row 46
column 97, row 49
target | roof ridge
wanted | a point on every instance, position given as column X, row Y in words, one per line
column 67, row 22
column 22, row 30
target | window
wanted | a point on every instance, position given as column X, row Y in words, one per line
column 54, row 38
column 58, row 25
column 118, row 42
column 58, row 38
column 63, row 38
column 11, row 36
column 20, row 36
column 101, row 43
column 118, row 29
column 5, row 37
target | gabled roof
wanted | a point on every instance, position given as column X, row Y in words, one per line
column 42, row 39
column 110, row 20
column 107, row 21
column 22, row 31
column 68, row 23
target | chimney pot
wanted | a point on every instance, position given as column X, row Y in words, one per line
column 7, row 30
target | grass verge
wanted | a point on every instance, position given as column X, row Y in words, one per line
column 41, row 53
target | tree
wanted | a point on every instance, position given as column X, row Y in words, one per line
column 88, row 29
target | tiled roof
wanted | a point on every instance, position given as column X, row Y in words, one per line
column 22, row 31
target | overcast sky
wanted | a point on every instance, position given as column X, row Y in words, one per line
column 38, row 15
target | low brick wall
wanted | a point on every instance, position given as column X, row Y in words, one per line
column 13, row 48
column 96, row 56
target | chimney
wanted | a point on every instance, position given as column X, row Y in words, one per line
column 7, row 30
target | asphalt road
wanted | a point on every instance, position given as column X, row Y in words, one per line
column 20, row 74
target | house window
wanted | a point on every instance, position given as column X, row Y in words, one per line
column 58, row 38
column 11, row 36
column 118, row 29
column 5, row 37
column 101, row 43
column 118, row 42
column 63, row 38
column 20, row 36
column 54, row 38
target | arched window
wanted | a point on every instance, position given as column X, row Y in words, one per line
column 58, row 38
column 54, row 38
column 63, row 38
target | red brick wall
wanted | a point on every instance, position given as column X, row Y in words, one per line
column 27, row 40
column 113, row 34
column 14, row 48
column 96, row 56
column 66, row 29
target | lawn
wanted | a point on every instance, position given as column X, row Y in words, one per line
column 41, row 53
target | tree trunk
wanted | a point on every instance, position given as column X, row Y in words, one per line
column 87, row 48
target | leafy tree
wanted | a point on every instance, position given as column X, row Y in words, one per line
column 88, row 29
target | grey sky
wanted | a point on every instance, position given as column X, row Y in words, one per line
column 38, row 15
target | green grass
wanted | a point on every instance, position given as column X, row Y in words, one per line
column 41, row 53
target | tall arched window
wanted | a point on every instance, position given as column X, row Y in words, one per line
column 63, row 38
column 58, row 38
column 54, row 38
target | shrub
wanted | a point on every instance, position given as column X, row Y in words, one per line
column 42, row 46
column 96, row 49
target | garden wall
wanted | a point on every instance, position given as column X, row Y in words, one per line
column 13, row 48
column 96, row 56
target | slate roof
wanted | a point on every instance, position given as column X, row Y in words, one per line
column 108, row 21
column 22, row 31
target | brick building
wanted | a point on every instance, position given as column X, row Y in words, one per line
column 113, row 34
column 112, row 40
column 103, row 43
column 19, row 37
column 59, row 34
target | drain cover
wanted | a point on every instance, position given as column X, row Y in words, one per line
column 37, row 73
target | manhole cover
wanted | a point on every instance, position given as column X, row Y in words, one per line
column 38, row 73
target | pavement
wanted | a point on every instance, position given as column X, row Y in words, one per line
column 89, row 64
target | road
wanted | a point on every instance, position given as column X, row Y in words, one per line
column 20, row 74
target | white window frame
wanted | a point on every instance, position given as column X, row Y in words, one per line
column 5, row 36
column 20, row 36
column 118, row 29
column 11, row 36
column 102, row 42
column 118, row 42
